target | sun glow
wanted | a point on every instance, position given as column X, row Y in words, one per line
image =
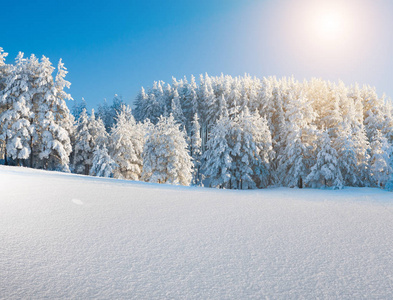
column 324, row 37
column 329, row 25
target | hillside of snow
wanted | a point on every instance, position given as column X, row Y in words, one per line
column 70, row 236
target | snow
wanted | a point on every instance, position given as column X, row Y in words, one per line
column 72, row 236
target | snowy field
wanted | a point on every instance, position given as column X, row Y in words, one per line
column 70, row 236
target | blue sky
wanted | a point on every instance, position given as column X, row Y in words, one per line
column 118, row 46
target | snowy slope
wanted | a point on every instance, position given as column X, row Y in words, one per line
column 70, row 236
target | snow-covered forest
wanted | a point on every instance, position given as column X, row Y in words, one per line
column 224, row 132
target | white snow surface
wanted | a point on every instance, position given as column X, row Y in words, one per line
column 71, row 236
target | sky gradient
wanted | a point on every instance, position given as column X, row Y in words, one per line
column 113, row 47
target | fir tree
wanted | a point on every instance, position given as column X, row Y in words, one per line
column 326, row 171
column 103, row 165
column 84, row 145
column 15, row 119
column 127, row 140
column 165, row 156
column 196, row 150
column 380, row 167
column 217, row 157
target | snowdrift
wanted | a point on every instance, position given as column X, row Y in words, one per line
column 70, row 236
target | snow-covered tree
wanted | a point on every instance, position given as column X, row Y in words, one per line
column 78, row 107
column 84, row 145
column 104, row 114
column 127, row 140
column 196, row 149
column 103, row 165
column 97, row 130
column 52, row 118
column 380, row 167
column 217, row 157
column 348, row 157
column 255, row 151
column 295, row 158
column 18, row 145
column 15, row 119
column 150, row 105
column 177, row 110
column 326, row 171
column 4, row 74
column 4, row 69
column 189, row 98
column 165, row 156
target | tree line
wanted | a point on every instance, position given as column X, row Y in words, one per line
column 223, row 131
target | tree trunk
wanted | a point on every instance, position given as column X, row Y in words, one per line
column 300, row 182
column 5, row 154
column 31, row 153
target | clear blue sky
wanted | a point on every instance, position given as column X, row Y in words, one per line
column 118, row 46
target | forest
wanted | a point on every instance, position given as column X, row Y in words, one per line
column 220, row 131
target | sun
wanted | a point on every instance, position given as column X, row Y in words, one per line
column 330, row 24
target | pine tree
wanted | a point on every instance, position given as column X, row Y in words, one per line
column 103, row 165
column 153, row 104
column 380, row 168
column 257, row 151
column 177, row 110
column 127, row 140
column 18, row 146
column 78, row 107
column 97, row 130
column 62, row 114
column 105, row 115
column 217, row 157
column 165, row 156
column 389, row 184
column 15, row 118
column 348, row 159
column 52, row 118
column 84, row 145
column 295, row 158
column 4, row 70
column 196, row 149
column 326, row 171
column 4, row 74
column 189, row 102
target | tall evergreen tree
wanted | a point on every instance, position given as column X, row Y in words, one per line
column 217, row 156
column 84, row 145
column 127, row 140
column 196, row 150
column 15, row 119
column 165, row 156
column 326, row 171
column 380, row 167
column 103, row 165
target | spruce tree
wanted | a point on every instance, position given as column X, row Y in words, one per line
column 15, row 119
column 165, row 156
column 196, row 150
column 127, row 140
column 217, row 156
column 103, row 165
column 84, row 145
column 326, row 171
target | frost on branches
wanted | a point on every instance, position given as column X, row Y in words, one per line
column 165, row 156
column 103, row 165
column 296, row 114
column 35, row 123
column 223, row 131
column 127, row 140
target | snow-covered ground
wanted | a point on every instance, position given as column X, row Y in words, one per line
column 70, row 236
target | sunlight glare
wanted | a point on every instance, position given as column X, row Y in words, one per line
column 329, row 25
